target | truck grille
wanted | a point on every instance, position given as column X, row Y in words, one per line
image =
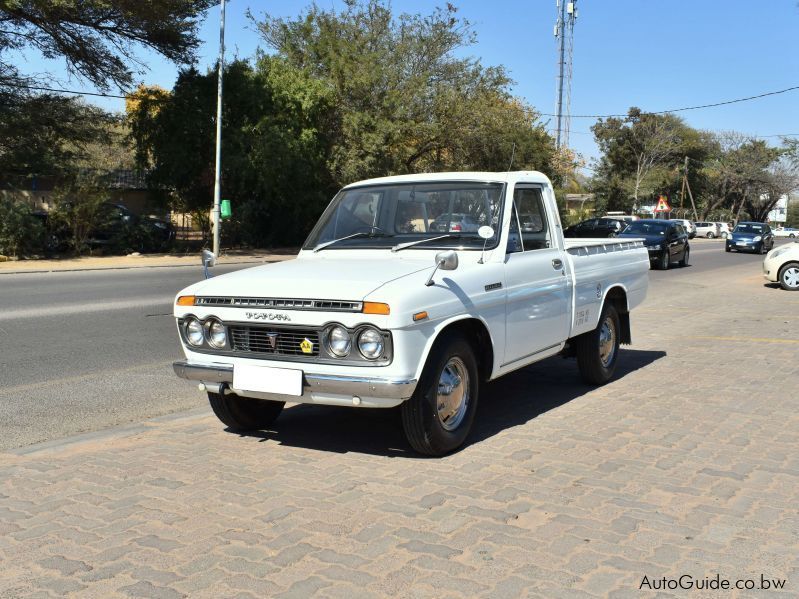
column 284, row 303
column 273, row 340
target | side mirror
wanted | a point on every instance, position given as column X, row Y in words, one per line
column 208, row 260
column 447, row 260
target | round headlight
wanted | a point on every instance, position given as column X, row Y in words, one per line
column 757, row 238
column 339, row 342
column 194, row 332
column 370, row 344
column 217, row 335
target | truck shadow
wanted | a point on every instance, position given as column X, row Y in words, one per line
column 508, row 402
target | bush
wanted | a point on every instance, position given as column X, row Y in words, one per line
column 21, row 233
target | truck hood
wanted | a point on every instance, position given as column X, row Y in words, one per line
column 334, row 279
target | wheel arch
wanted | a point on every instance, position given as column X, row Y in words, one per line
column 478, row 334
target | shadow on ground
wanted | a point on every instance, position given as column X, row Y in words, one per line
column 510, row 401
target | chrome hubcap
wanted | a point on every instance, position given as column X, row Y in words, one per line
column 791, row 277
column 452, row 399
column 607, row 342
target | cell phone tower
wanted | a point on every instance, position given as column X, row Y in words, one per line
column 564, row 33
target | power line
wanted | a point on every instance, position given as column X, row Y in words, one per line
column 62, row 91
column 682, row 109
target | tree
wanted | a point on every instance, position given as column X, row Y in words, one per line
column 97, row 38
column 637, row 152
column 45, row 133
column 404, row 99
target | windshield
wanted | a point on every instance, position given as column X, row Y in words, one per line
column 387, row 215
column 646, row 228
column 749, row 228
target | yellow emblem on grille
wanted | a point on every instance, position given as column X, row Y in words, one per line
column 306, row 346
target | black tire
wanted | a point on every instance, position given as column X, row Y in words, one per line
column 594, row 368
column 727, row 248
column 684, row 261
column 422, row 420
column 711, row 235
column 761, row 249
column 664, row 260
column 244, row 413
column 787, row 276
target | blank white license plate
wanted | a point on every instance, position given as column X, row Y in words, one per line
column 741, row 243
column 264, row 379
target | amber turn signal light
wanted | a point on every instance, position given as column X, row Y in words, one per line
column 376, row 308
column 185, row 300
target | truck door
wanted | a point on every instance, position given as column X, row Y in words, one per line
column 538, row 289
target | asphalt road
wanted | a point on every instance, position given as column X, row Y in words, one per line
column 84, row 351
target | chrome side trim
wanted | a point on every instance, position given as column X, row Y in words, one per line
column 389, row 388
column 530, row 355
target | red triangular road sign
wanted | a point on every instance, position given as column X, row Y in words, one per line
column 663, row 205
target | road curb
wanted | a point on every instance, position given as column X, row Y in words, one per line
column 115, row 432
column 94, row 269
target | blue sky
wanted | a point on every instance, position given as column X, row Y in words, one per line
column 649, row 53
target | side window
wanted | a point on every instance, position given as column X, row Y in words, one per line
column 532, row 218
column 514, row 235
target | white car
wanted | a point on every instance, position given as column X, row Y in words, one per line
column 707, row 229
column 725, row 230
column 375, row 313
column 688, row 225
column 781, row 265
column 789, row 232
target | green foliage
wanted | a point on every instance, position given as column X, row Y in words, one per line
column 78, row 201
column 792, row 217
column 20, row 232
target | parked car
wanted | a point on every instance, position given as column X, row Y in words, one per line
column 666, row 240
column 708, row 229
column 750, row 237
column 688, row 225
column 789, row 232
column 725, row 230
column 455, row 222
column 116, row 225
column 781, row 265
column 411, row 319
column 596, row 227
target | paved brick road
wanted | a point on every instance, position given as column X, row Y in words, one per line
column 686, row 464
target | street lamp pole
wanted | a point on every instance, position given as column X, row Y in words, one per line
column 217, row 174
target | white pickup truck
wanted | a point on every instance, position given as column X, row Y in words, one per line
column 412, row 291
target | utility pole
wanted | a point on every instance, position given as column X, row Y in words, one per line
column 688, row 187
column 564, row 32
column 217, row 173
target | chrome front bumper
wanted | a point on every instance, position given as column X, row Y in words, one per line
column 316, row 388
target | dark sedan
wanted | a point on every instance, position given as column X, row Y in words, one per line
column 595, row 227
column 667, row 241
column 750, row 237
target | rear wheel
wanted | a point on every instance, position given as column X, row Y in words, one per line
column 438, row 417
column 711, row 235
column 598, row 351
column 244, row 413
column 789, row 276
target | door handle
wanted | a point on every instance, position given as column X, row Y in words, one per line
column 557, row 264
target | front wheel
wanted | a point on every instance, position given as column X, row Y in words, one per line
column 789, row 276
column 438, row 417
column 727, row 248
column 684, row 261
column 663, row 260
column 244, row 413
column 598, row 351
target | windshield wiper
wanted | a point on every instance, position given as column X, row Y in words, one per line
column 322, row 246
column 402, row 246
